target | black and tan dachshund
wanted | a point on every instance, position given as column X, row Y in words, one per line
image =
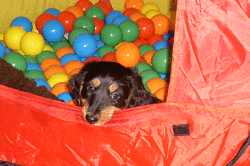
column 101, row 88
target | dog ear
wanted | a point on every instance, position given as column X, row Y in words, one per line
column 138, row 95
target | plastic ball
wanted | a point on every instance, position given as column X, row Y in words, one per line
column 109, row 57
column 149, row 6
column 130, row 11
column 149, row 55
column 75, row 10
column 66, row 96
column 161, row 60
column 95, row 12
column 69, row 57
column 97, row 36
column 52, row 11
column 41, row 82
column 134, row 4
column 85, row 22
column 128, row 54
column 33, row 66
column 147, row 27
column 162, row 93
column 99, row 44
column 59, row 45
column 111, row 35
column 105, row 49
column 91, row 59
column 77, row 32
column 16, row 60
column 105, row 7
column 110, row 17
column 64, row 50
column 34, row 29
column 23, row 22
column 119, row 19
column 84, row 4
column 49, row 62
column 167, row 36
column 161, row 44
column 44, row 55
column 48, row 48
column 84, row 45
column 32, row 43
column 155, row 38
column 53, row 69
column 57, row 78
column 33, row 74
column 70, row 66
column 74, row 72
column 136, row 16
column 155, row 84
column 42, row 19
column 2, row 49
column 13, row 36
column 151, row 13
column 161, row 23
column 145, row 48
column 119, row 44
column 99, row 24
column 67, row 19
column 142, row 66
column 140, row 41
column 31, row 59
column 149, row 74
column 130, row 31
column 60, row 88
column 53, row 31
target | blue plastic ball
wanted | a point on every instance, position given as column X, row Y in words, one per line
column 110, row 17
column 7, row 50
column 53, row 31
column 34, row 66
column 2, row 50
column 42, row 82
column 96, row 54
column 84, row 45
column 168, row 35
column 69, row 57
column 161, row 44
column 119, row 19
column 52, row 11
column 99, row 44
column 66, row 96
column 23, row 22
column 97, row 36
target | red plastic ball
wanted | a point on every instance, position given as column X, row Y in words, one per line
column 155, row 38
column 105, row 7
column 142, row 60
column 147, row 27
column 67, row 19
column 130, row 11
column 140, row 41
column 92, row 59
column 109, row 57
column 99, row 24
column 42, row 19
column 84, row 4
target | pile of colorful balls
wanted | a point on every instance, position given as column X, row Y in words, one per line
column 58, row 44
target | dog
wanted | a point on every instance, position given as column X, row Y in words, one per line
column 101, row 88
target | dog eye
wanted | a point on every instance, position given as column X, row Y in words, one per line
column 115, row 96
column 90, row 88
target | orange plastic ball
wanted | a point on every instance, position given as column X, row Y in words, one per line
column 156, row 83
column 128, row 54
column 74, row 72
column 64, row 50
column 162, row 93
column 136, row 16
column 60, row 88
column 76, row 11
column 162, row 24
column 72, row 102
column 148, row 56
column 49, row 62
column 53, row 69
column 71, row 65
column 134, row 4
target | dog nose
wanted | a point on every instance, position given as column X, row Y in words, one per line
column 91, row 119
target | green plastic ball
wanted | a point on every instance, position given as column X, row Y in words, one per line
column 33, row 74
column 16, row 60
column 45, row 54
column 161, row 60
column 130, row 30
column 111, row 35
column 76, row 32
column 31, row 59
column 145, row 48
column 85, row 22
column 95, row 12
column 104, row 50
column 149, row 74
column 142, row 66
column 60, row 44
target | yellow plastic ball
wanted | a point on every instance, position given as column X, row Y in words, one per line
column 149, row 6
column 151, row 13
column 57, row 78
column 21, row 52
column 12, row 37
column 48, row 48
column 118, row 45
column 32, row 43
column 34, row 29
column 1, row 36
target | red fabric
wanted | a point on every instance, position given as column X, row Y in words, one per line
column 209, row 90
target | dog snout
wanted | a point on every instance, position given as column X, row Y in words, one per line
column 91, row 119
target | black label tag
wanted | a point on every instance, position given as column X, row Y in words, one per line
column 181, row 130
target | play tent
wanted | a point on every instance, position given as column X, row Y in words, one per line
column 205, row 120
